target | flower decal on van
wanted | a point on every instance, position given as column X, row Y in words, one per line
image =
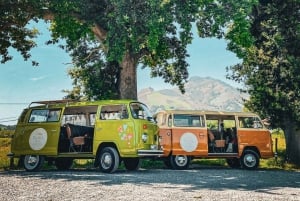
column 125, row 133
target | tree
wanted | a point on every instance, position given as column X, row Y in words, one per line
column 128, row 32
column 14, row 15
column 152, row 33
column 270, row 68
column 119, row 34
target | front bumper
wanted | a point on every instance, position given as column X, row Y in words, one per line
column 150, row 153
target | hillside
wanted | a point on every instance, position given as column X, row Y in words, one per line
column 201, row 93
column 5, row 127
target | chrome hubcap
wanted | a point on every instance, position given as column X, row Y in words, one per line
column 106, row 161
column 32, row 160
column 181, row 160
column 250, row 160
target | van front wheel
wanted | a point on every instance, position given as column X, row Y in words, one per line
column 109, row 160
column 180, row 162
column 250, row 160
column 33, row 162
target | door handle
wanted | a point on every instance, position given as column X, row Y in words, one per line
column 201, row 135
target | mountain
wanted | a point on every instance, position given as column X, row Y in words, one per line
column 201, row 94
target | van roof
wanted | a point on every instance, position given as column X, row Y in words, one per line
column 69, row 102
column 207, row 112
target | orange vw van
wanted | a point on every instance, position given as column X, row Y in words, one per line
column 239, row 137
column 108, row 131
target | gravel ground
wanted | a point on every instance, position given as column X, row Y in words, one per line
column 201, row 183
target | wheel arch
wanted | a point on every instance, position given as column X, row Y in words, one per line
column 253, row 148
column 100, row 147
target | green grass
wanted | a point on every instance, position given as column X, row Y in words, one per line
column 4, row 150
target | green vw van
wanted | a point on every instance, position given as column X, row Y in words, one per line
column 108, row 131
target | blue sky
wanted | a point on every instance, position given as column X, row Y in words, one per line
column 22, row 83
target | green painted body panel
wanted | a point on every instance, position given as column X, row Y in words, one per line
column 49, row 138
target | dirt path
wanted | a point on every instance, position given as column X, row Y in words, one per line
column 155, row 184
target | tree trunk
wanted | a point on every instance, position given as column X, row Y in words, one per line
column 292, row 138
column 128, row 80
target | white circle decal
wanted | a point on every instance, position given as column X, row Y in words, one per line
column 188, row 142
column 38, row 139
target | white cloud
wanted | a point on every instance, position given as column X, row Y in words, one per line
column 37, row 78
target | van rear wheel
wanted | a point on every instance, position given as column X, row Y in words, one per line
column 180, row 162
column 250, row 160
column 33, row 163
column 109, row 160
column 132, row 163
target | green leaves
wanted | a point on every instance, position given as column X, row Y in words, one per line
column 14, row 16
column 269, row 66
column 154, row 33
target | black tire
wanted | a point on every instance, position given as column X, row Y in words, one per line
column 233, row 162
column 109, row 160
column 32, row 163
column 250, row 160
column 167, row 162
column 63, row 163
column 132, row 163
column 180, row 162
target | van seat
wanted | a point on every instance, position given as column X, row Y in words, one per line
column 77, row 136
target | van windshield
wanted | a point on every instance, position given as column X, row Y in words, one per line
column 140, row 111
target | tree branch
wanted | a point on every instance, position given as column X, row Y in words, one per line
column 99, row 32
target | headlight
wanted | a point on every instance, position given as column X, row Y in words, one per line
column 154, row 147
column 144, row 137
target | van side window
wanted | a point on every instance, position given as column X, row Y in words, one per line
column 250, row 122
column 113, row 112
column 140, row 111
column 53, row 115
column 183, row 120
column 44, row 115
column 92, row 119
column 38, row 116
column 80, row 115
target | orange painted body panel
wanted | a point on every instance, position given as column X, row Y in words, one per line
column 259, row 138
column 184, row 141
column 193, row 140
